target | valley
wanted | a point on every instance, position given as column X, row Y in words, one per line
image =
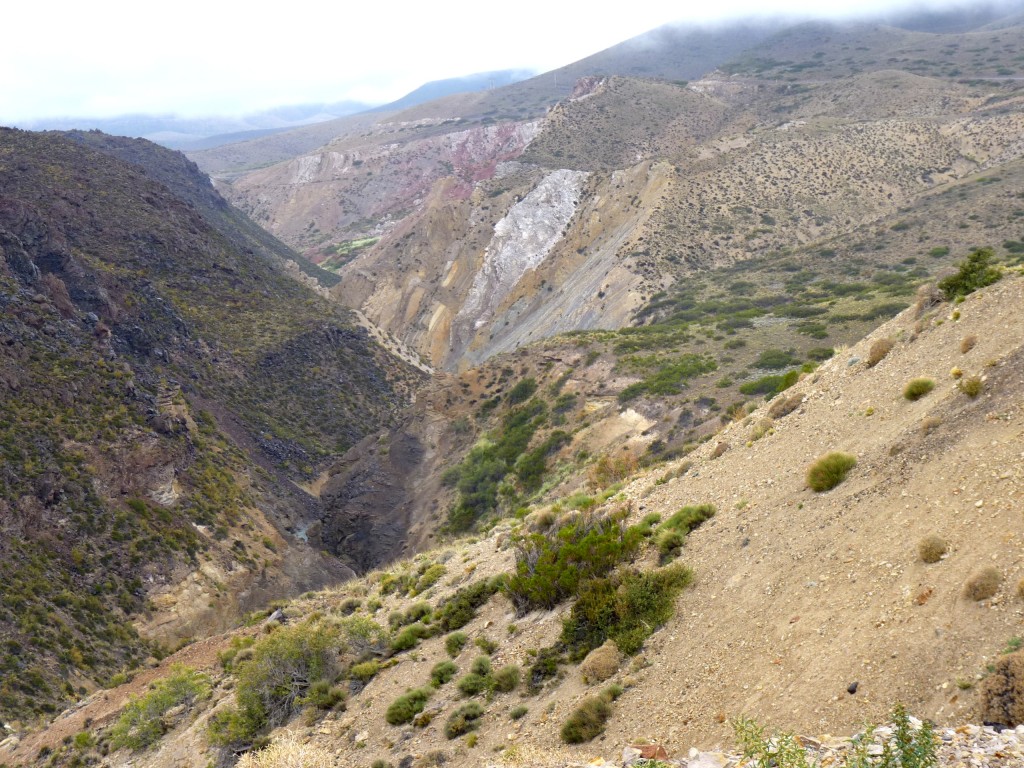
column 488, row 422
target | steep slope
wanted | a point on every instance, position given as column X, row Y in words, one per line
column 806, row 134
column 164, row 384
column 796, row 594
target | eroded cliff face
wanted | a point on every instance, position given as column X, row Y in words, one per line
column 356, row 188
column 522, row 240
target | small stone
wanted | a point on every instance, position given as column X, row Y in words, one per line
column 852, row 687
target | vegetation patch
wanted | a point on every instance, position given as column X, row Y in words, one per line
column 918, row 388
column 829, row 471
column 142, row 722
column 976, row 271
column 403, row 709
column 463, row 720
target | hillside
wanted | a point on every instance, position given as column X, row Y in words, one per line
column 790, row 140
column 165, row 385
column 796, row 595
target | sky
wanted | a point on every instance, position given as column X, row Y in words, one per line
column 222, row 57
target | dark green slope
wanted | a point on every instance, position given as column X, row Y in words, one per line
column 137, row 321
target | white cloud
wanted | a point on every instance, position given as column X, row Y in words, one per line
column 110, row 57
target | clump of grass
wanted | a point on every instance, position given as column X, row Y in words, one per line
column 507, row 678
column 442, row 672
column 142, row 721
column 1002, row 692
column 918, row 388
column 463, row 720
column 403, row 709
column 971, row 386
column 472, row 684
column 784, row 406
column 454, row 643
column 364, row 672
column 983, row 584
column 931, row 548
column 601, row 663
column 587, row 721
column 519, row 712
column 830, row 470
column 879, row 349
column 486, row 645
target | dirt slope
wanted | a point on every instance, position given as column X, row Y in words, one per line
column 797, row 594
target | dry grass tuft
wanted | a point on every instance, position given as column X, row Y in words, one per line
column 1002, row 692
column 785, row 406
column 971, row 386
column 288, row 752
column 983, row 584
column 967, row 343
column 929, row 424
column 931, row 548
column 878, row 351
column 601, row 663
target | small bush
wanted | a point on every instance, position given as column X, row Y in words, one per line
column 971, row 386
column 976, row 271
column 967, row 343
column 409, row 637
column 518, row 713
column 142, row 721
column 670, row 543
column 323, row 695
column 472, row 684
column 463, row 720
column 364, row 672
column 931, row 548
column 507, row 678
column 587, row 721
column 918, row 388
column 442, row 672
column 481, row 666
column 601, row 663
column 458, row 610
column 784, row 406
column 829, row 471
column 879, row 349
column 1002, row 692
column 486, row 645
column 454, row 643
column 403, row 709
column 983, row 584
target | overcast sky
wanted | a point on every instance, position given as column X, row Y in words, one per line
column 192, row 57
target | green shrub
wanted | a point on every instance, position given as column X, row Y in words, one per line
column 463, row 720
column 460, row 609
column 141, row 722
column 507, row 678
column 522, row 391
column 407, row 706
column 971, row 386
column 829, row 471
column 323, row 695
column 519, row 712
column 442, row 672
column 587, row 721
column 975, row 272
column 429, row 578
column 472, row 684
column 550, row 566
column 486, row 645
column 670, row 543
column 918, row 388
column 272, row 684
column 625, row 608
column 544, row 667
column 364, row 672
column 454, row 643
column 481, row 666
column 409, row 637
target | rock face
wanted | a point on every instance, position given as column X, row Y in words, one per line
column 523, row 238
